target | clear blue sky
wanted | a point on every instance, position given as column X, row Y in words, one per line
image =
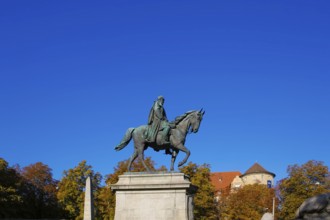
column 74, row 75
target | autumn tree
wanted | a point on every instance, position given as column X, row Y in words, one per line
column 248, row 202
column 307, row 180
column 11, row 200
column 71, row 189
column 204, row 199
column 106, row 198
column 40, row 191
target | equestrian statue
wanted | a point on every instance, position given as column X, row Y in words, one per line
column 160, row 134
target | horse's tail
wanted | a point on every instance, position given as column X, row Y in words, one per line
column 126, row 139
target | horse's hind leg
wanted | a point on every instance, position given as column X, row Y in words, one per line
column 141, row 157
column 133, row 157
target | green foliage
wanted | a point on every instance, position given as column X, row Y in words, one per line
column 11, row 200
column 71, row 189
column 205, row 205
column 305, row 181
column 248, row 202
column 106, row 203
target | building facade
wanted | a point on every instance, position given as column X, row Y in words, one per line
column 225, row 182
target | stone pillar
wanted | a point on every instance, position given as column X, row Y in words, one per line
column 88, row 204
column 161, row 196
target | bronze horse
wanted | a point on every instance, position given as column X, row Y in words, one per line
column 189, row 121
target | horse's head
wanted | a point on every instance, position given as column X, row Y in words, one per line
column 195, row 120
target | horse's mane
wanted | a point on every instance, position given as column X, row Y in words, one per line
column 178, row 119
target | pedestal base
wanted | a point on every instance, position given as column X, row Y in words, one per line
column 154, row 196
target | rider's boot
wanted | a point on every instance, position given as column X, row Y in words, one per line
column 166, row 136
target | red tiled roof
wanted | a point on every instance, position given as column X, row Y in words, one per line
column 257, row 168
column 222, row 180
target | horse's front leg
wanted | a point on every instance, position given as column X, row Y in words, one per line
column 186, row 150
column 174, row 155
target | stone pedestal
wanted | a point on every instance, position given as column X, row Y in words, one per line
column 154, row 196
